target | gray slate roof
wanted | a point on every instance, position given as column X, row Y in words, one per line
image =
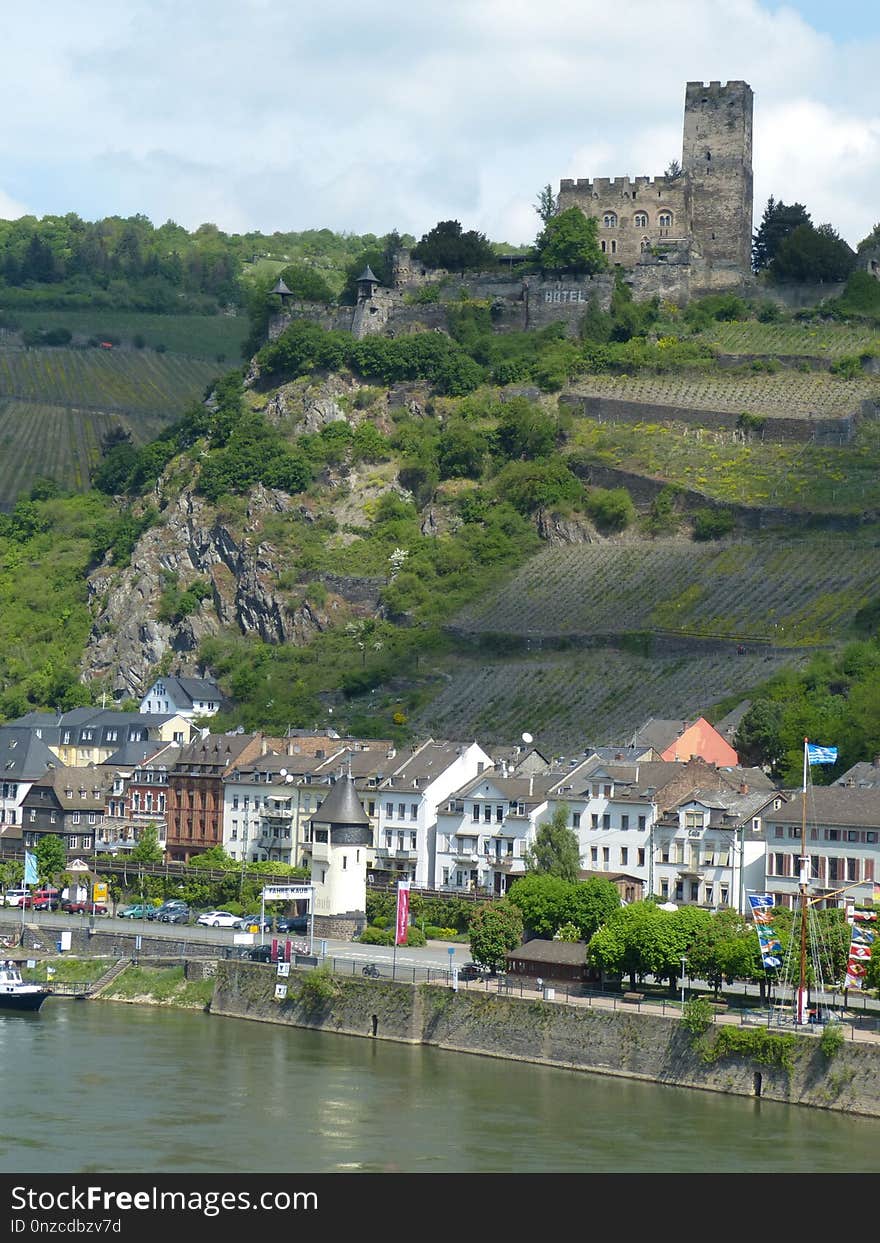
column 24, row 756
column 831, row 805
column 571, row 953
column 341, row 806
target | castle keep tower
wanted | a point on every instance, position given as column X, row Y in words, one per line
column 717, row 162
column 688, row 232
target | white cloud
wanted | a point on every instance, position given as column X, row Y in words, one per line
column 261, row 115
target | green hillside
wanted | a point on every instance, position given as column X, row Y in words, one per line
column 210, row 337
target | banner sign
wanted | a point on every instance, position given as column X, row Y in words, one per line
column 99, row 891
column 402, row 912
column 762, row 913
column 30, row 869
column 281, row 893
column 860, row 948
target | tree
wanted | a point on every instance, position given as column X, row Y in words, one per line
column 777, row 222
column 543, row 900
column 809, row 254
column 494, row 929
column 555, row 850
column 545, row 204
column 673, row 170
column 147, row 849
column 51, row 857
column 448, row 246
column 591, row 903
column 569, row 242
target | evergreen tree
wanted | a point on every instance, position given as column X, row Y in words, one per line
column 778, row 221
column 555, row 851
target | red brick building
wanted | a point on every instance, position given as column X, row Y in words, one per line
column 194, row 806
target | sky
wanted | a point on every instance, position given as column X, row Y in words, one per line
column 265, row 115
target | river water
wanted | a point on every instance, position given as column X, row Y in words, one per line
column 99, row 1087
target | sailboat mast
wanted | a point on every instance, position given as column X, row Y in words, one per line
column 801, row 1011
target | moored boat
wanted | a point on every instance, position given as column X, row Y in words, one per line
column 15, row 994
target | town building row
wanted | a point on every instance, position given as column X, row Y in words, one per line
column 655, row 816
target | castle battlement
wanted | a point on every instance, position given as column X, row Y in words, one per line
column 611, row 185
column 708, row 203
column 736, row 86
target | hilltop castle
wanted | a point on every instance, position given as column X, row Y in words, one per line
column 676, row 236
column 701, row 216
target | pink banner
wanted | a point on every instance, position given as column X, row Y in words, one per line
column 402, row 912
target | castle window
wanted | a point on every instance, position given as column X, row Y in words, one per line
column 644, row 244
column 603, row 245
column 664, row 219
column 614, row 246
column 640, row 220
column 609, row 220
column 708, row 155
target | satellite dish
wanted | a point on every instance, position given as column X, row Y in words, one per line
column 527, row 738
column 289, row 778
column 282, row 772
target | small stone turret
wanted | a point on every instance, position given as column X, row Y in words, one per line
column 341, row 836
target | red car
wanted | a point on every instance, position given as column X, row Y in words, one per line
column 86, row 908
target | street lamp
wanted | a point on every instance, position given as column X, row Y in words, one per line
column 683, row 966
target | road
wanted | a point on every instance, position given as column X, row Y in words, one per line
column 435, row 954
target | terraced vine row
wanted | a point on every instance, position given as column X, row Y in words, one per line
column 596, row 697
column 808, row 340
column 121, row 382
column 787, row 393
column 63, row 443
column 787, row 592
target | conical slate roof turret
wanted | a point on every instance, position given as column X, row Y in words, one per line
column 368, row 275
column 281, row 288
column 342, row 806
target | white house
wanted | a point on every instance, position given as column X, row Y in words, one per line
column 186, row 697
column 485, row 829
column 710, row 849
column 407, row 802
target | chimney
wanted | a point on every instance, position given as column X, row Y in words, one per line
column 531, row 783
column 264, row 746
column 876, row 761
column 743, row 787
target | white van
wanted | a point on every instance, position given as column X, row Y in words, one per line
column 13, row 897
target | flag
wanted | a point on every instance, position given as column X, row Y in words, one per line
column 821, row 755
column 30, row 869
column 402, row 927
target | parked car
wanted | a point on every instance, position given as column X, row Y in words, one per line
column 43, row 900
column 84, row 908
column 173, row 904
column 219, row 919
column 259, row 953
column 176, row 915
column 15, row 897
column 140, row 911
column 261, row 923
column 292, row 923
column 473, row 971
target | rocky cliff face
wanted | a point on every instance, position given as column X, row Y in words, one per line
column 128, row 642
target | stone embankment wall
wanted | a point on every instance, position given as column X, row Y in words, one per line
column 630, row 1045
column 775, row 429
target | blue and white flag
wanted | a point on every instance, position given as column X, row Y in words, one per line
column 821, row 755
column 30, row 869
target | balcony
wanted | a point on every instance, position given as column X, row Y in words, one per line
column 501, row 863
column 277, row 813
column 466, row 858
column 396, row 852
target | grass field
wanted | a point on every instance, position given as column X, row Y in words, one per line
column 596, row 697
column 198, row 336
column 121, row 381
column 841, row 479
column 786, row 592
